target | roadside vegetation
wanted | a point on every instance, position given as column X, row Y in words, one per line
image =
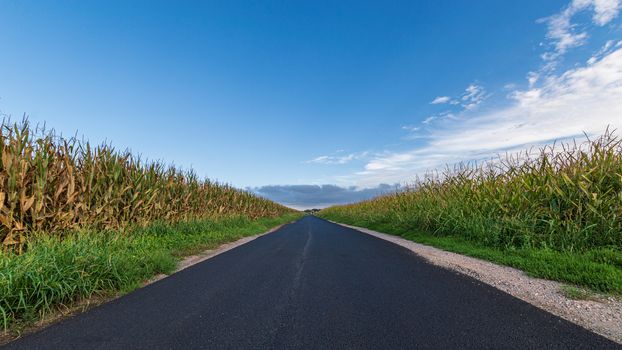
column 555, row 213
column 78, row 220
column 575, row 293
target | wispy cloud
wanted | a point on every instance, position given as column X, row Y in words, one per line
column 473, row 95
column 606, row 49
column 429, row 119
column 411, row 128
column 441, row 100
column 414, row 132
column 563, row 34
column 338, row 159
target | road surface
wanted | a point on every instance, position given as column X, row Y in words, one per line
column 315, row 285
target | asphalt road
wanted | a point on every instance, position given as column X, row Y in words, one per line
column 316, row 285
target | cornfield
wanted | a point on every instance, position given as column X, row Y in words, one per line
column 565, row 197
column 51, row 185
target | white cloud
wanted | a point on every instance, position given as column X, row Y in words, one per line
column 603, row 51
column 338, row 159
column 473, row 96
column 430, row 119
column 414, row 132
column 532, row 78
column 584, row 99
column 411, row 128
column 605, row 11
column 441, row 100
column 562, row 32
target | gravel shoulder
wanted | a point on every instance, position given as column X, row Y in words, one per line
column 600, row 314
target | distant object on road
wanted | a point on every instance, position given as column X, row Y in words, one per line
column 312, row 211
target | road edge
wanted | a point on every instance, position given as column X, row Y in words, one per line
column 544, row 294
column 194, row 259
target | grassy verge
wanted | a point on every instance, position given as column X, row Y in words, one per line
column 575, row 293
column 54, row 272
column 596, row 269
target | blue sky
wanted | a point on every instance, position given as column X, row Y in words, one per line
column 313, row 103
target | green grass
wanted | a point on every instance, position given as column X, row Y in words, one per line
column 53, row 272
column 597, row 269
column 575, row 293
